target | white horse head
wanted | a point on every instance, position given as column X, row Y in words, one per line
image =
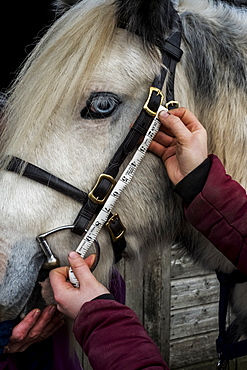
column 86, row 66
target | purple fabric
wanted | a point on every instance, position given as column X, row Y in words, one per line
column 117, row 287
column 51, row 354
column 8, row 364
column 63, row 359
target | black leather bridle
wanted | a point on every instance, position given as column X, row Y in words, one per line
column 93, row 202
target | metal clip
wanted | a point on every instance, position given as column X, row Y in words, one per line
column 52, row 261
column 122, row 230
column 95, row 199
column 151, row 90
column 173, row 103
column 222, row 364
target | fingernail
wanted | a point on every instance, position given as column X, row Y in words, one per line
column 73, row 255
column 36, row 313
column 53, row 310
column 164, row 114
column 6, row 349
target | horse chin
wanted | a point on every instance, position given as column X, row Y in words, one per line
column 41, row 296
column 21, row 271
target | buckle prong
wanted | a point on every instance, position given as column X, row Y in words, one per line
column 95, row 199
column 173, row 103
column 108, row 225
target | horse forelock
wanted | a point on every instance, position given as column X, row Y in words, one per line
column 151, row 20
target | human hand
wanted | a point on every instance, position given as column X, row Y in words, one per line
column 69, row 299
column 35, row 327
column 181, row 143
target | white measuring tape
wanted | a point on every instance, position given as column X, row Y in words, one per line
column 123, row 181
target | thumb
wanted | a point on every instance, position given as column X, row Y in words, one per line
column 80, row 266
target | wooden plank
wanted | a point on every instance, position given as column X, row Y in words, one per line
column 241, row 363
column 236, row 364
column 157, row 298
column 85, row 363
column 166, row 304
column 194, row 291
column 134, row 286
column 182, row 267
column 193, row 350
column 194, row 321
column 208, row 365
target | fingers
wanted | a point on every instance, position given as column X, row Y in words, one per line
column 63, row 290
column 59, row 282
column 173, row 122
column 35, row 327
column 69, row 299
column 21, row 330
column 59, row 276
column 160, row 143
column 45, row 323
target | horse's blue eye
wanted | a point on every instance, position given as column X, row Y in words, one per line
column 100, row 105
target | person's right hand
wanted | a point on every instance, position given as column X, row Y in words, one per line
column 69, row 299
column 181, row 143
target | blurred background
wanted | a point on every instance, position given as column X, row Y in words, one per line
column 23, row 23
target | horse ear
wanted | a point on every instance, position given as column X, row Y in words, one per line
column 62, row 6
column 151, row 20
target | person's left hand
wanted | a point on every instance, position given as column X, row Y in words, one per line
column 35, row 327
column 70, row 299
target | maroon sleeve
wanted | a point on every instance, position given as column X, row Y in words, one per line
column 219, row 212
column 112, row 337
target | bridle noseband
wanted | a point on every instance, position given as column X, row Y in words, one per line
column 92, row 203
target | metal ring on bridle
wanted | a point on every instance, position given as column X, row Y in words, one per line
column 52, row 261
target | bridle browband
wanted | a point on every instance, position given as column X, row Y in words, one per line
column 93, row 202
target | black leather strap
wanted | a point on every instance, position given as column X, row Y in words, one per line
column 43, row 177
column 228, row 345
column 171, row 57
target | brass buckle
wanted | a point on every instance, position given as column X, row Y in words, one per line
column 151, row 90
column 108, row 225
column 173, row 103
column 95, row 199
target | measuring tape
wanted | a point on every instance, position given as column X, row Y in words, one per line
column 123, row 181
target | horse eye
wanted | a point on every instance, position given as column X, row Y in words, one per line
column 100, row 105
